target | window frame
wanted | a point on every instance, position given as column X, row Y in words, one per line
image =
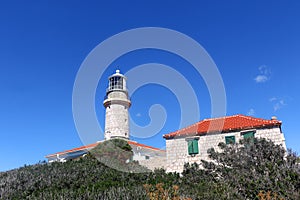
column 116, row 83
column 249, row 138
column 248, row 132
column 228, row 138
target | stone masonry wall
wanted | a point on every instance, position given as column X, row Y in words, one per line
column 177, row 148
column 116, row 118
column 154, row 163
column 116, row 121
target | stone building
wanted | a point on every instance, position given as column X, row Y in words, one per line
column 190, row 144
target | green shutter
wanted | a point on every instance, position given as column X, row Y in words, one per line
column 190, row 146
column 193, row 147
column 230, row 139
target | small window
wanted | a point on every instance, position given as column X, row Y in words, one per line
column 249, row 134
column 230, row 139
column 193, row 147
column 249, row 137
column 147, row 157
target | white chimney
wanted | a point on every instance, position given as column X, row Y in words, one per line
column 273, row 118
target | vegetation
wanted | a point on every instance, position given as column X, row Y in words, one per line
column 159, row 192
column 255, row 169
column 117, row 154
column 242, row 171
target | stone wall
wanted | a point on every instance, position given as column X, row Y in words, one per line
column 154, row 163
column 149, row 157
column 177, row 148
column 116, row 121
column 116, row 117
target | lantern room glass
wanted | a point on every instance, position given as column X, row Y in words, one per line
column 116, row 83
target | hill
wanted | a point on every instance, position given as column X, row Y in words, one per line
column 84, row 178
column 250, row 170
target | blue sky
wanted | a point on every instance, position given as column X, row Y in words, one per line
column 255, row 45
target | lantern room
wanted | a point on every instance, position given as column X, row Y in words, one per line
column 117, row 81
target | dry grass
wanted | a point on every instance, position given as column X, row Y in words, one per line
column 158, row 192
column 262, row 195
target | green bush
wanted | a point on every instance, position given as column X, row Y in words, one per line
column 236, row 172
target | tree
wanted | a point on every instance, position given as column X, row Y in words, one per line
column 252, row 166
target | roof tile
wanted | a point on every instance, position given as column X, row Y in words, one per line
column 223, row 124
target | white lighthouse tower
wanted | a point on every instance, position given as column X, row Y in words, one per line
column 116, row 104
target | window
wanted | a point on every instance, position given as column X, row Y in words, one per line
column 230, row 139
column 115, row 82
column 249, row 137
column 249, row 134
column 193, row 146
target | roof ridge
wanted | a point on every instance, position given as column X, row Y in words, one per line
column 259, row 119
column 224, row 117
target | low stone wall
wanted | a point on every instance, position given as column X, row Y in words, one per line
column 154, row 163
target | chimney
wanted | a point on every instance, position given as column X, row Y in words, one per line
column 273, row 118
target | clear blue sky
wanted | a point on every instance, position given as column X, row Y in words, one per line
column 255, row 45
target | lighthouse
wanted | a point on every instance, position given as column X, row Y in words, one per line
column 116, row 103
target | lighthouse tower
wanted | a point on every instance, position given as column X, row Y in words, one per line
column 116, row 104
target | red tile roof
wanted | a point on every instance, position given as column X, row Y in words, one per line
column 82, row 148
column 143, row 145
column 90, row 146
column 224, row 124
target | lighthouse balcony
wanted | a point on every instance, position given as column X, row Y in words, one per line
column 121, row 101
column 108, row 90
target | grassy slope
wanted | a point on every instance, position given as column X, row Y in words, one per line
column 85, row 178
